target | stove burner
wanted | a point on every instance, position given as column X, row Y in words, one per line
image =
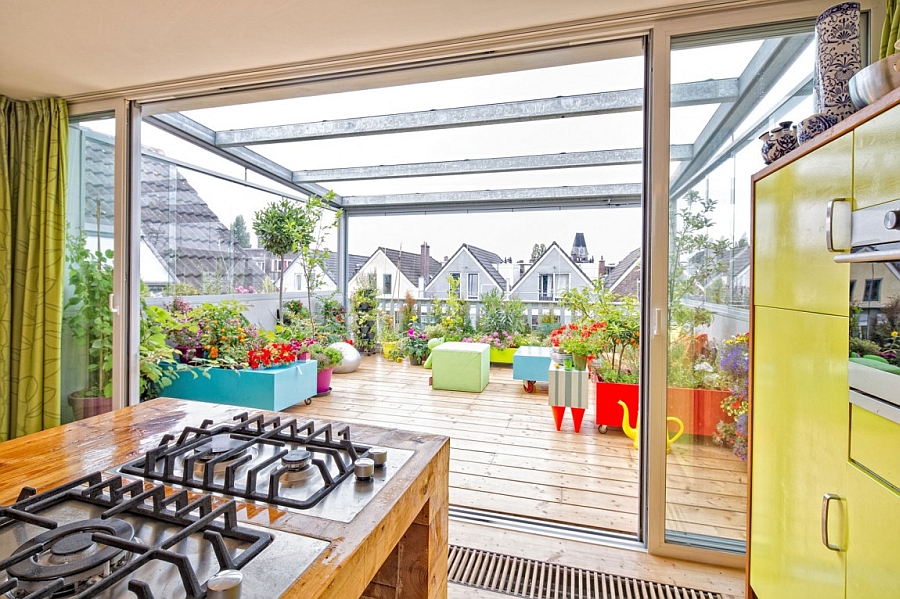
column 69, row 553
column 296, row 459
column 220, row 444
column 299, row 467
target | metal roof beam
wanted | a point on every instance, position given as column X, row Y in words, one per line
column 190, row 130
column 683, row 94
column 790, row 101
column 583, row 196
column 487, row 165
column 771, row 61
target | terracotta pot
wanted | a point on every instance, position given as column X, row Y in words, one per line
column 699, row 409
column 85, row 407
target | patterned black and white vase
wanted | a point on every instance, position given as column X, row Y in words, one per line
column 814, row 125
column 837, row 59
column 778, row 142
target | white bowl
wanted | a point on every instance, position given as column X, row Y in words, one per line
column 874, row 81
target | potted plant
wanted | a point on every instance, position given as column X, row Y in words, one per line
column 502, row 323
column 89, row 319
column 387, row 336
column 326, row 359
column 416, row 346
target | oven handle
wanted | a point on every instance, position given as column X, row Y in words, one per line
column 873, row 256
column 826, row 500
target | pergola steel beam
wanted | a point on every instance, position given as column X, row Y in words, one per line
column 190, row 130
column 487, row 165
column 613, row 195
column 790, row 101
column 683, row 94
column 766, row 67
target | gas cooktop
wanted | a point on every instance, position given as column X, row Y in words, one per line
column 110, row 538
column 275, row 461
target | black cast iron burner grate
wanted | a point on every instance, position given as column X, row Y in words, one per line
column 179, row 462
column 118, row 497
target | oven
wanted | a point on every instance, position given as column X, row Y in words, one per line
column 167, row 524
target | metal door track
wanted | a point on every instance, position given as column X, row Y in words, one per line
column 541, row 580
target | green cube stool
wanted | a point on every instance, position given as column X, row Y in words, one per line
column 461, row 366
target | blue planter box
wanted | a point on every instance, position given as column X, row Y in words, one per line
column 268, row 389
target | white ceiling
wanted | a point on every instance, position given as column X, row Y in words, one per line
column 72, row 48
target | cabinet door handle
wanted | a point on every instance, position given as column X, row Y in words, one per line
column 837, row 225
column 826, row 500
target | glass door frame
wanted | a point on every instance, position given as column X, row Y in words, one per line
column 657, row 231
column 126, row 330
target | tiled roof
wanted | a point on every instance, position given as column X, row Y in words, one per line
column 411, row 264
column 488, row 261
column 355, row 261
column 622, row 278
column 175, row 221
column 545, row 252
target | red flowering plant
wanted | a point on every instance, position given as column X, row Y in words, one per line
column 270, row 355
column 608, row 329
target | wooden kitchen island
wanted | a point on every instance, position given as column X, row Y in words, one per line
column 396, row 546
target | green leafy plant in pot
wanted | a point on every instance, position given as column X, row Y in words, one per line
column 90, row 321
column 326, row 359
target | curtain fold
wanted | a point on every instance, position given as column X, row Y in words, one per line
column 33, row 146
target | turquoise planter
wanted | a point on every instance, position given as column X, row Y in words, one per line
column 268, row 389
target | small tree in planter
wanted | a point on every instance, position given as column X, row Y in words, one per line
column 312, row 250
column 90, row 321
column 280, row 229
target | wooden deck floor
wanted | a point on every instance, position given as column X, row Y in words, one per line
column 507, row 456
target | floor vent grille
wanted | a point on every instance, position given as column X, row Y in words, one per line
column 541, row 580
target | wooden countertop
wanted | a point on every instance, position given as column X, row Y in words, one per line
column 416, row 495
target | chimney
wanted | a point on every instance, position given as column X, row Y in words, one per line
column 424, row 259
column 601, row 268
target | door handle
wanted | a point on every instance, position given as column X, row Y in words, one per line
column 837, row 225
column 826, row 500
column 112, row 304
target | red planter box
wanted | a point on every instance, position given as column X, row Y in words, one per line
column 699, row 409
column 609, row 412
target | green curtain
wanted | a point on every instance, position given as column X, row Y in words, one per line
column 33, row 146
column 891, row 30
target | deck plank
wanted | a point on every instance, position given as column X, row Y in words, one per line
column 506, row 455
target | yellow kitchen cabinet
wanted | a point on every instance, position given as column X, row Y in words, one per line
column 791, row 268
column 873, row 551
column 875, row 164
column 799, row 442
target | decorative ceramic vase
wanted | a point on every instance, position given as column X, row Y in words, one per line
column 837, row 59
column 814, row 125
column 778, row 142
